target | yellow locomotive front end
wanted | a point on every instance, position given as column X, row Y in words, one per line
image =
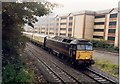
column 84, row 54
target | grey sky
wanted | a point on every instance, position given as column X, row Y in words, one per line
column 78, row 5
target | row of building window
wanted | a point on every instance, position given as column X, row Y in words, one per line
column 102, row 30
column 111, row 38
column 101, row 37
column 69, row 29
column 99, row 30
column 51, row 28
column 62, row 23
column 63, row 18
column 102, row 23
column 111, row 31
column 99, row 23
column 112, row 23
column 70, row 18
column 100, row 16
column 113, row 15
column 51, row 33
column 70, row 23
column 62, row 34
column 62, row 28
column 103, row 16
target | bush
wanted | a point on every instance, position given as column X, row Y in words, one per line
column 11, row 75
column 104, row 45
column 116, row 49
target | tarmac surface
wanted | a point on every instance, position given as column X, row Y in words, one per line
column 106, row 56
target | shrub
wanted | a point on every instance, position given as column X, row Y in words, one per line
column 103, row 44
column 116, row 48
column 11, row 75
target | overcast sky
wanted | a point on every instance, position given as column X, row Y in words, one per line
column 78, row 5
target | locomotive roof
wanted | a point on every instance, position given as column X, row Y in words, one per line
column 41, row 35
column 81, row 41
column 71, row 40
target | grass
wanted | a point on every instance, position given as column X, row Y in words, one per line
column 106, row 66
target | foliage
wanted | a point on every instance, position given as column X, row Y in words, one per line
column 108, row 67
column 13, row 76
column 14, row 16
column 102, row 44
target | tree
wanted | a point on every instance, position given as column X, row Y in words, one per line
column 14, row 16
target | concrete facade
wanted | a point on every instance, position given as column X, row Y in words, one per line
column 84, row 24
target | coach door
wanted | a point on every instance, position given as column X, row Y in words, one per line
column 72, row 51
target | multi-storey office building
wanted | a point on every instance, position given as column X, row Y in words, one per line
column 84, row 24
column 106, row 26
column 78, row 25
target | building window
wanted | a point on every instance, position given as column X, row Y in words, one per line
column 51, row 28
column 57, row 19
column 69, row 29
column 113, row 15
column 69, row 35
column 56, row 33
column 111, row 38
column 112, row 23
column 63, row 18
column 62, row 34
column 111, row 31
column 70, row 18
column 42, row 32
column 51, row 33
column 62, row 23
column 70, row 23
column 100, row 37
column 100, row 16
column 99, row 30
column 62, row 28
column 99, row 23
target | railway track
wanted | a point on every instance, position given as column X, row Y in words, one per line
column 59, row 74
column 63, row 76
column 98, row 77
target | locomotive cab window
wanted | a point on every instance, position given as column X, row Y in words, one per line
column 73, row 47
column 84, row 47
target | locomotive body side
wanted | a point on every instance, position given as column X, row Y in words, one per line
column 58, row 46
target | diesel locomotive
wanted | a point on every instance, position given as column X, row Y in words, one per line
column 77, row 51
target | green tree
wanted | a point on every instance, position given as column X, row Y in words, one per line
column 14, row 17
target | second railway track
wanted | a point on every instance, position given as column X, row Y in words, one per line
column 59, row 73
column 98, row 77
column 64, row 76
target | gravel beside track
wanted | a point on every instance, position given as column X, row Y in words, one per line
column 99, row 77
column 60, row 70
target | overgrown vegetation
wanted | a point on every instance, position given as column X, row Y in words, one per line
column 14, row 16
column 102, row 44
column 108, row 67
